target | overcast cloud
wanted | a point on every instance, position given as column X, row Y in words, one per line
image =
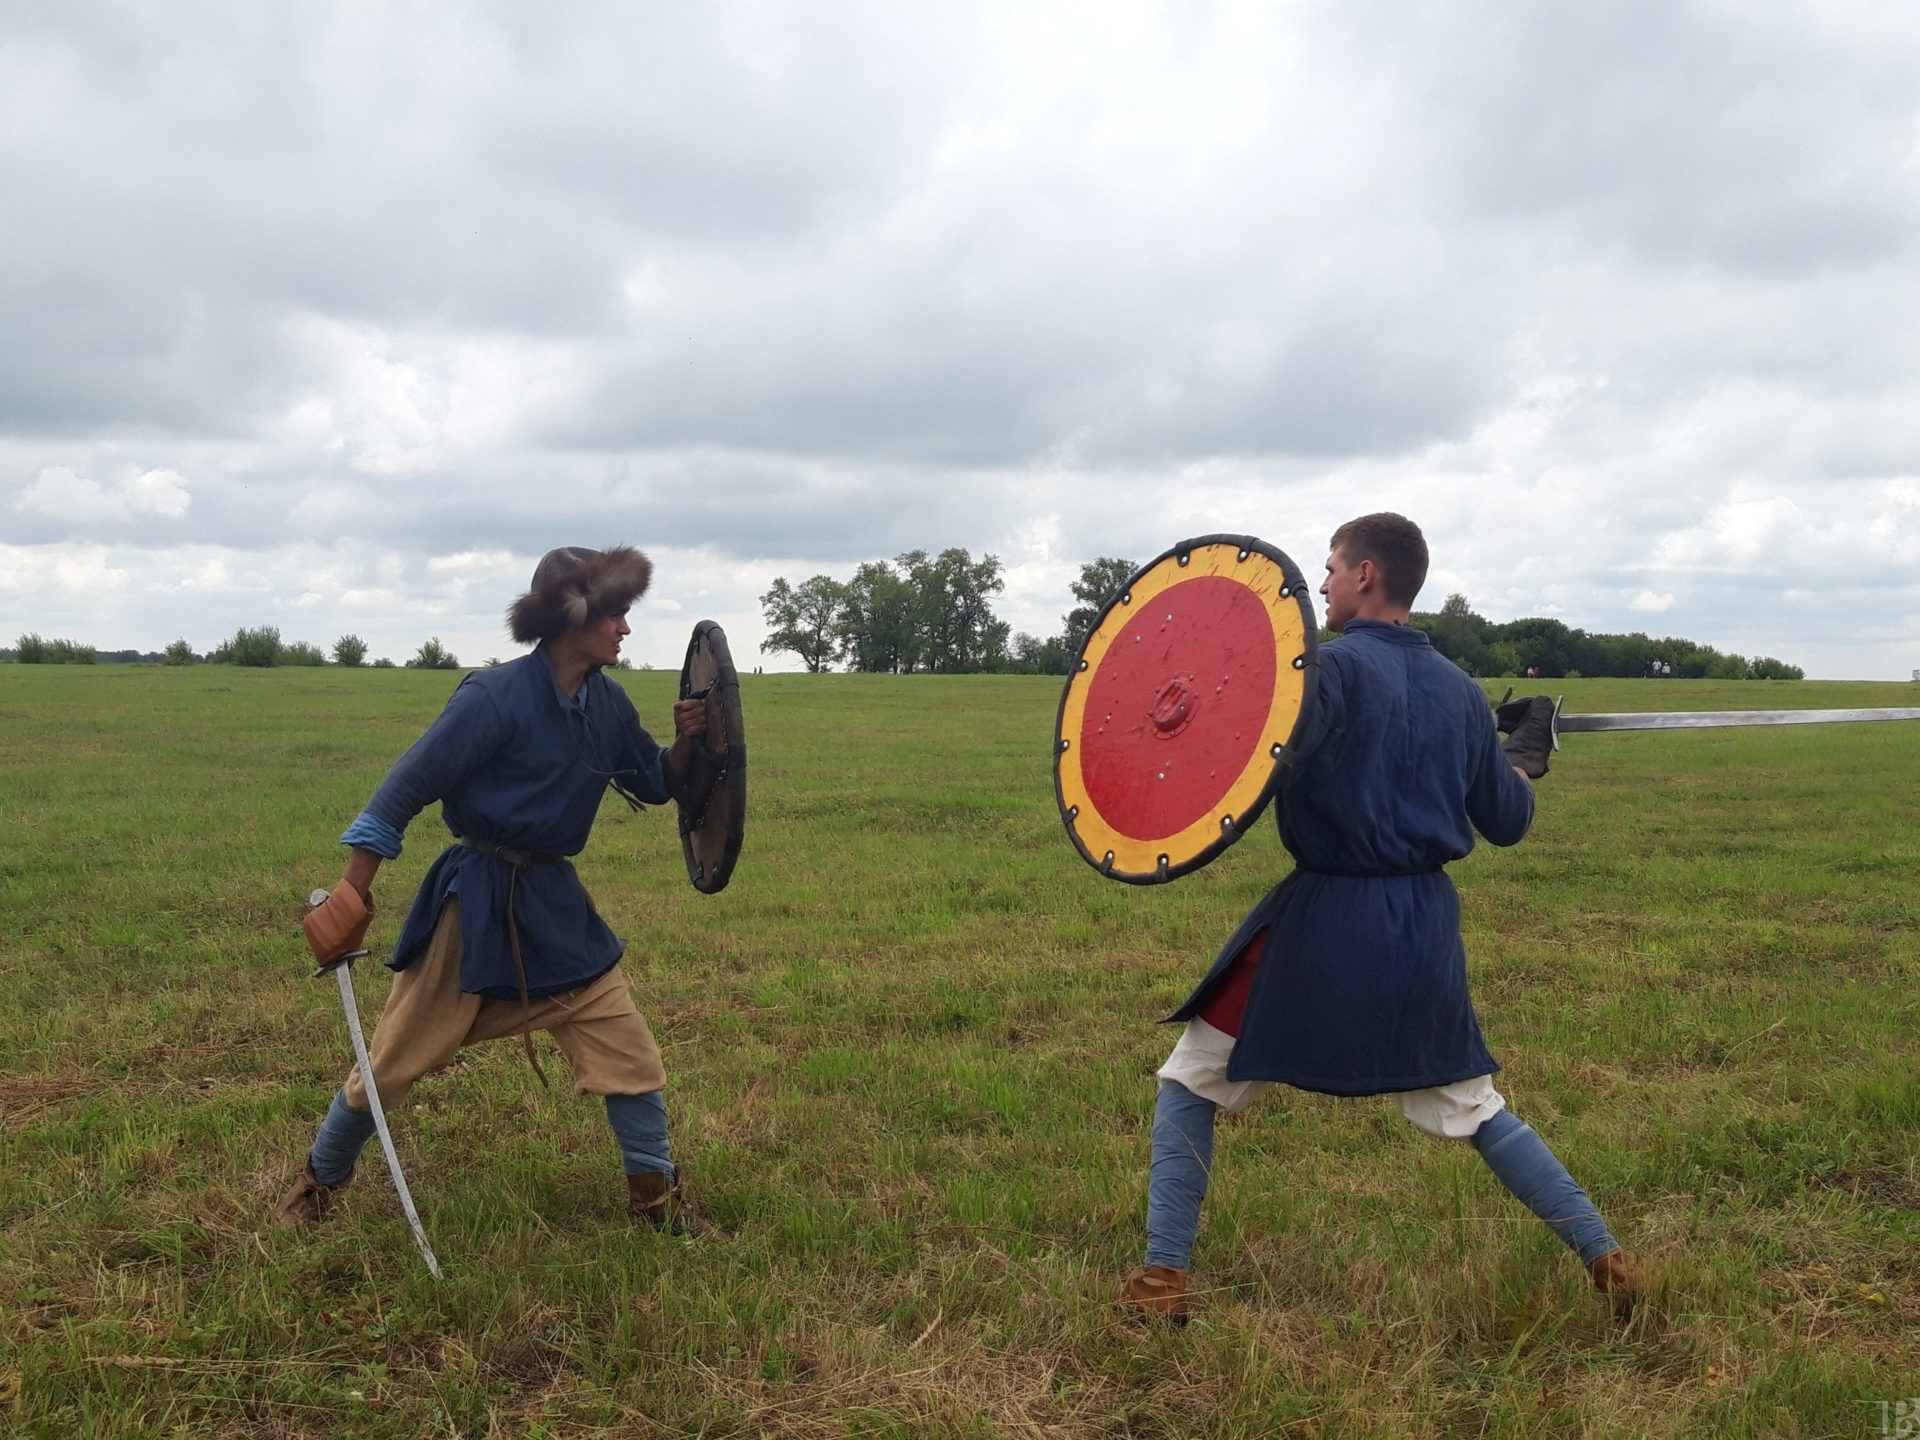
column 335, row 316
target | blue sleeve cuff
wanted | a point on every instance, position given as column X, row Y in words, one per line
column 370, row 832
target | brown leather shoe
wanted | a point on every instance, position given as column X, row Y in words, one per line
column 1159, row 1291
column 307, row 1201
column 1618, row 1278
column 663, row 1203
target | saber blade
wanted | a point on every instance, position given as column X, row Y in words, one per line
column 1716, row 719
column 343, row 972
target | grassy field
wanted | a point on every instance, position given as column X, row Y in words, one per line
column 911, row 1054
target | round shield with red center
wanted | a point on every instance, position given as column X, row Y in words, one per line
column 1180, row 715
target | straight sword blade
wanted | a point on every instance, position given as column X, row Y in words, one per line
column 343, row 971
column 1716, row 719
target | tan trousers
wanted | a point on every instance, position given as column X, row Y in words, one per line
column 429, row 1019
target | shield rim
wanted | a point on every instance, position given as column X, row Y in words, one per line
column 1308, row 664
column 736, row 777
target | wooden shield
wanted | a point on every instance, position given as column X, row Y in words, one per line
column 713, row 814
column 1180, row 714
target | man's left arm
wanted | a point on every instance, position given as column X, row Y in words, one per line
column 1499, row 795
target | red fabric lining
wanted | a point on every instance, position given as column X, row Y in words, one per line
column 1228, row 1002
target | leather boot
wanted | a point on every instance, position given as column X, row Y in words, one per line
column 1619, row 1279
column 1159, row 1291
column 307, row 1201
column 662, row 1202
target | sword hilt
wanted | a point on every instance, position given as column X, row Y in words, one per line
column 316, row 900
column 332, row 965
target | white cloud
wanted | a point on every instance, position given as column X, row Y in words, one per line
column 59, row 493
column 1647, row 601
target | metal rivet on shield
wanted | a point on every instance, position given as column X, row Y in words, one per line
column 1126, row 597
column 1226, row 824
column 1276, row 751
column 1183, row 557
column 1299, row 662
column 1083, row 664
column 1065, row 745
column 1245, row 553
column 1286, row 592
column 1163, row 867
column 1073, row 812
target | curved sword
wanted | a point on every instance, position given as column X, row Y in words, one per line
column 343, row 972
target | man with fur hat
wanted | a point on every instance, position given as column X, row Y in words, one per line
column 502, row 938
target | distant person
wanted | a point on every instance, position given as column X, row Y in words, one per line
column 502, row 939
column 1350, row 978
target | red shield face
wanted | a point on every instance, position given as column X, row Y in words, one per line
column 1176, row 721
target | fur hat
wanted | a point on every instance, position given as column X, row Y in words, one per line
column 574, row 586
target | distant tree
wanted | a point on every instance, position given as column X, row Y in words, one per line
column 383, row 663
column 876, row 630
column 350, row 650
column 1765, row 667
column 180, row 653
column 1100, row 580
column 1030, row 655
column 70, row 652
column 301, row 653
column 433, row 656
column 805, row 619
column 30, row 650
column 952, row 609
column 258, row 648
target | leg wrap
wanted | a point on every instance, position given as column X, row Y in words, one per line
column 640, row 1123
column 1182, row 1164
column 1524, row 1164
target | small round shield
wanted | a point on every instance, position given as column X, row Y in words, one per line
column 713, row 802
column 1180, row 714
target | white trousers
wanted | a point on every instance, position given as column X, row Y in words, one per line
column 1447, row 1112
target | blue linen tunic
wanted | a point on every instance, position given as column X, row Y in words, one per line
column 513, row 761
column 1362, row 985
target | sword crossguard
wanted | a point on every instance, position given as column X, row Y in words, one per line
column 332, row 965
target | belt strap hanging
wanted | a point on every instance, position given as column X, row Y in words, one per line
column 518, row 861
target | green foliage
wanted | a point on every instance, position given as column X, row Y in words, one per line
column 805, row 619
column 301, row 653
column 32, row 650
column 256, row 648
column 911, row 1055
column 349, row 650
column 1100, row 580
column 181, row 653
column 1475, row 643
column 913, row 613
column 433, row 656
column 383, row 663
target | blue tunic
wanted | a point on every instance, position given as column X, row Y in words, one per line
column 1362, row 986
column 514, row 762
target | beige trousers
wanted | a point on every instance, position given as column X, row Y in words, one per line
column 429, row 1020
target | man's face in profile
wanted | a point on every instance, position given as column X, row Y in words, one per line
column 1341, row 589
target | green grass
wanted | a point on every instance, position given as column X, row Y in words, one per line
column 911, row 1053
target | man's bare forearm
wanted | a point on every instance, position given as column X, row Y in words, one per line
column 362, row 866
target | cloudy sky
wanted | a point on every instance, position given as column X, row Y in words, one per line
column 335, row 316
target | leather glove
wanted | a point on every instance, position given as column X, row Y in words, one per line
column 338, row 927
column 1528, row 727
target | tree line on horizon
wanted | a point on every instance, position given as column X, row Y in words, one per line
column 920, row 613
column 256, row 647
